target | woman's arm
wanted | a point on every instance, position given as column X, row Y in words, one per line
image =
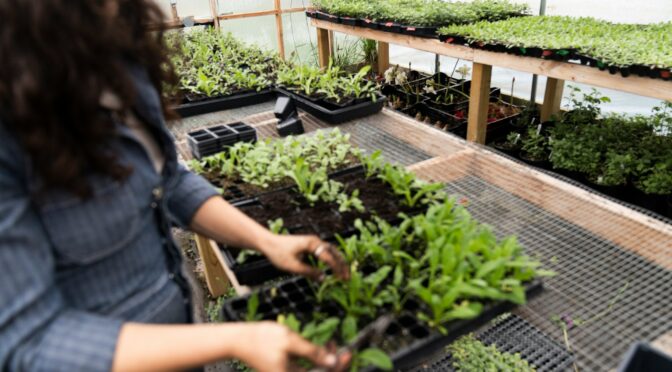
column 224, row 223
column 263, row 346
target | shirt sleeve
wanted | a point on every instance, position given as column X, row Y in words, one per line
column 189, row 194
column 38, row 331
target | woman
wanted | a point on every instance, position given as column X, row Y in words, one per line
column 89, row 189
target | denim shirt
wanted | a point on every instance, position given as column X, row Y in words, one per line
column 73, row 271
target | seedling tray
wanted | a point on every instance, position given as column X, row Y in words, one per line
column 215, row 139
column 407, row 340
column 515, row 335
column 322, row 219
column 324, row 112
column 241, row 99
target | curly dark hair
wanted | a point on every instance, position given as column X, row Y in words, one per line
column 56, row 57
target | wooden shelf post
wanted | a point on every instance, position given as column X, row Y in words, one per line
column 383, row 57
column 215, row 275
column 479, row 101
column 552, row 98
column 279, row 29
column 215, row 13
column 323, row 47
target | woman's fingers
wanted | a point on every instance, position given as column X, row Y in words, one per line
column 300, row 347
column 328, row 254
column 335, row 260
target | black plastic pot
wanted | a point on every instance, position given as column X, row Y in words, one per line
column 420, row 31
column 327, row 17
column 620, row 192
column 284, row 108
column 450, row 122
column 654, row 202
column 245, row 132
column 543, row 164
column 369, row 23
column 295, row 296
column 641, row 357
column 310, row 13
column 202, row 143
column 241, row 99
column 453, row 39
column 339, row 115
column 290, row 126
column 390, row 27
column 350, row 21
column 216, row 139
column 511, row 151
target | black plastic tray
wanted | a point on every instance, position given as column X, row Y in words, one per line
column 643, row 358
column 338, row 115
column 260, row 269
column 428, row 32
column 295, row 296
column 224, row 103
column 211, row 140
column 515, row 335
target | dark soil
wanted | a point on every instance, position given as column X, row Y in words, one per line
column 323, row 219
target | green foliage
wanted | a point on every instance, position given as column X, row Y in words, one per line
column 609, row 43
column 210, row 63
column 471, row 355
column 332, row 82
column 423, row 12
column 615, row 149
column 371, row 357
column 535, row 145
column 252, row 306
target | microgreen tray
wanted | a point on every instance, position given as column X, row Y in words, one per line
column 407, row 340
column 514, row 334
column 224, row 103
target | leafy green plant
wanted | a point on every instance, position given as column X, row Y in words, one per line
column 535, row 145
column 252, row 307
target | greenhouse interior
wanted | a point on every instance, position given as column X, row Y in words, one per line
column 336, row 185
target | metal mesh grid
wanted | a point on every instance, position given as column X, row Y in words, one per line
column 592, row 268
column 514, row 335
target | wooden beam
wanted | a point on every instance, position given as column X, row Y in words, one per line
column 383, row 56
column 215, row 13
column 643, row 86
column 419, row 43
column 323, row 47
column 552, row 98
column 261, row 13
column 213, row 268
column 180, row 24
column 279, row 29
column 479, row 102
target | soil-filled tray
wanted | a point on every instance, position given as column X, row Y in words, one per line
column 321, row 219
column 334, row 114
column 407, row 340
column 224, row 103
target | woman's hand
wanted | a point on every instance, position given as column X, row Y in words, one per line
column 268, row 346
column 287, row 252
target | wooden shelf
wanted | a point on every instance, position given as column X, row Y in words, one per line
column 654, row 88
